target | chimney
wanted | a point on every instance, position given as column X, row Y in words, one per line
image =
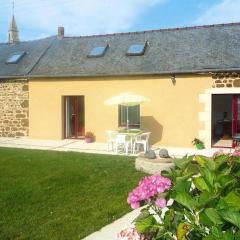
column 60, row 32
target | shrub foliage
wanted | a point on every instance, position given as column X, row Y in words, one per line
column 203, row 203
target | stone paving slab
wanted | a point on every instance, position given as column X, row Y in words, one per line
column 57, row 145
column 82, row 146
column 61, row 145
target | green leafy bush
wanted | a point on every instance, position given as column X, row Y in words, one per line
column 198, row 143
column 203, row 203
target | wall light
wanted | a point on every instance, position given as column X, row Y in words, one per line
column 173, row 78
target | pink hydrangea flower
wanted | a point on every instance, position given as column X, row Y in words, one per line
column 147, row 188
column 135, row 205
column 129, row 234
column 236, row 153
column 161, row 202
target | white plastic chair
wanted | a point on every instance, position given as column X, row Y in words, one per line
column 111, row 139
column 142, row 139
column 123, row 141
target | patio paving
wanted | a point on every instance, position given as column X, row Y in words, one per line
column 57, row 145
column 100, row 148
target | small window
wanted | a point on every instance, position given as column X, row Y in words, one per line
column 15, row 57
column 136, row 49
column 133, row 116
column 98, row 51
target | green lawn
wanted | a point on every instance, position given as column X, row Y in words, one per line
column 59, row 195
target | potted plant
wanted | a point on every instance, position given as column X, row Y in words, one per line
column 198, row 143
column 89, row 137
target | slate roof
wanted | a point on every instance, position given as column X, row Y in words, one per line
column 34, row 51
column 210, row 48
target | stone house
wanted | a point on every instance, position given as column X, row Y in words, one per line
column 14, row 89
column 57, row 86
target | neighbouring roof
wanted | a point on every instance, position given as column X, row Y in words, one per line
column 182, row 50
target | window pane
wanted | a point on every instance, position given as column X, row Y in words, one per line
column 136, row 49
column 133, row 116
column 14, row 58
column 70, row 126
column 98, row 51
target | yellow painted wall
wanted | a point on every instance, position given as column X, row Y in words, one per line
column 171, row 116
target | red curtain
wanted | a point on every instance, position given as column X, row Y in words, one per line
column 234, row 115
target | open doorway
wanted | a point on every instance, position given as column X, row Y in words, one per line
column 222, row 120
column 225, row 119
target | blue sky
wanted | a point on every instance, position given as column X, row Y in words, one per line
column 40, row 18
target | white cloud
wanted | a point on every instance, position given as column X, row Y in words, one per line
column 224, row 12
column 79, row 17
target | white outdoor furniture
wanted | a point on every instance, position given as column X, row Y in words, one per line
column 127, row 141
column 122, row 141
column 111, row 139
column 236, row 140
column 141, row 139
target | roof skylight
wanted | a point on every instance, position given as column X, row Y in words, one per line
column 15, row 57
column 98, row 51
column 136, row 49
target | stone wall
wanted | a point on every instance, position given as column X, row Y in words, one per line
column 229, row 80
column 14, row 108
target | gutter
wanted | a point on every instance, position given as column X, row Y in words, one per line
column 200, row 71
column 23, row 77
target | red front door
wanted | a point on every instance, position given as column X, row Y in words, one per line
column 74, row 117
column 235, row 115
